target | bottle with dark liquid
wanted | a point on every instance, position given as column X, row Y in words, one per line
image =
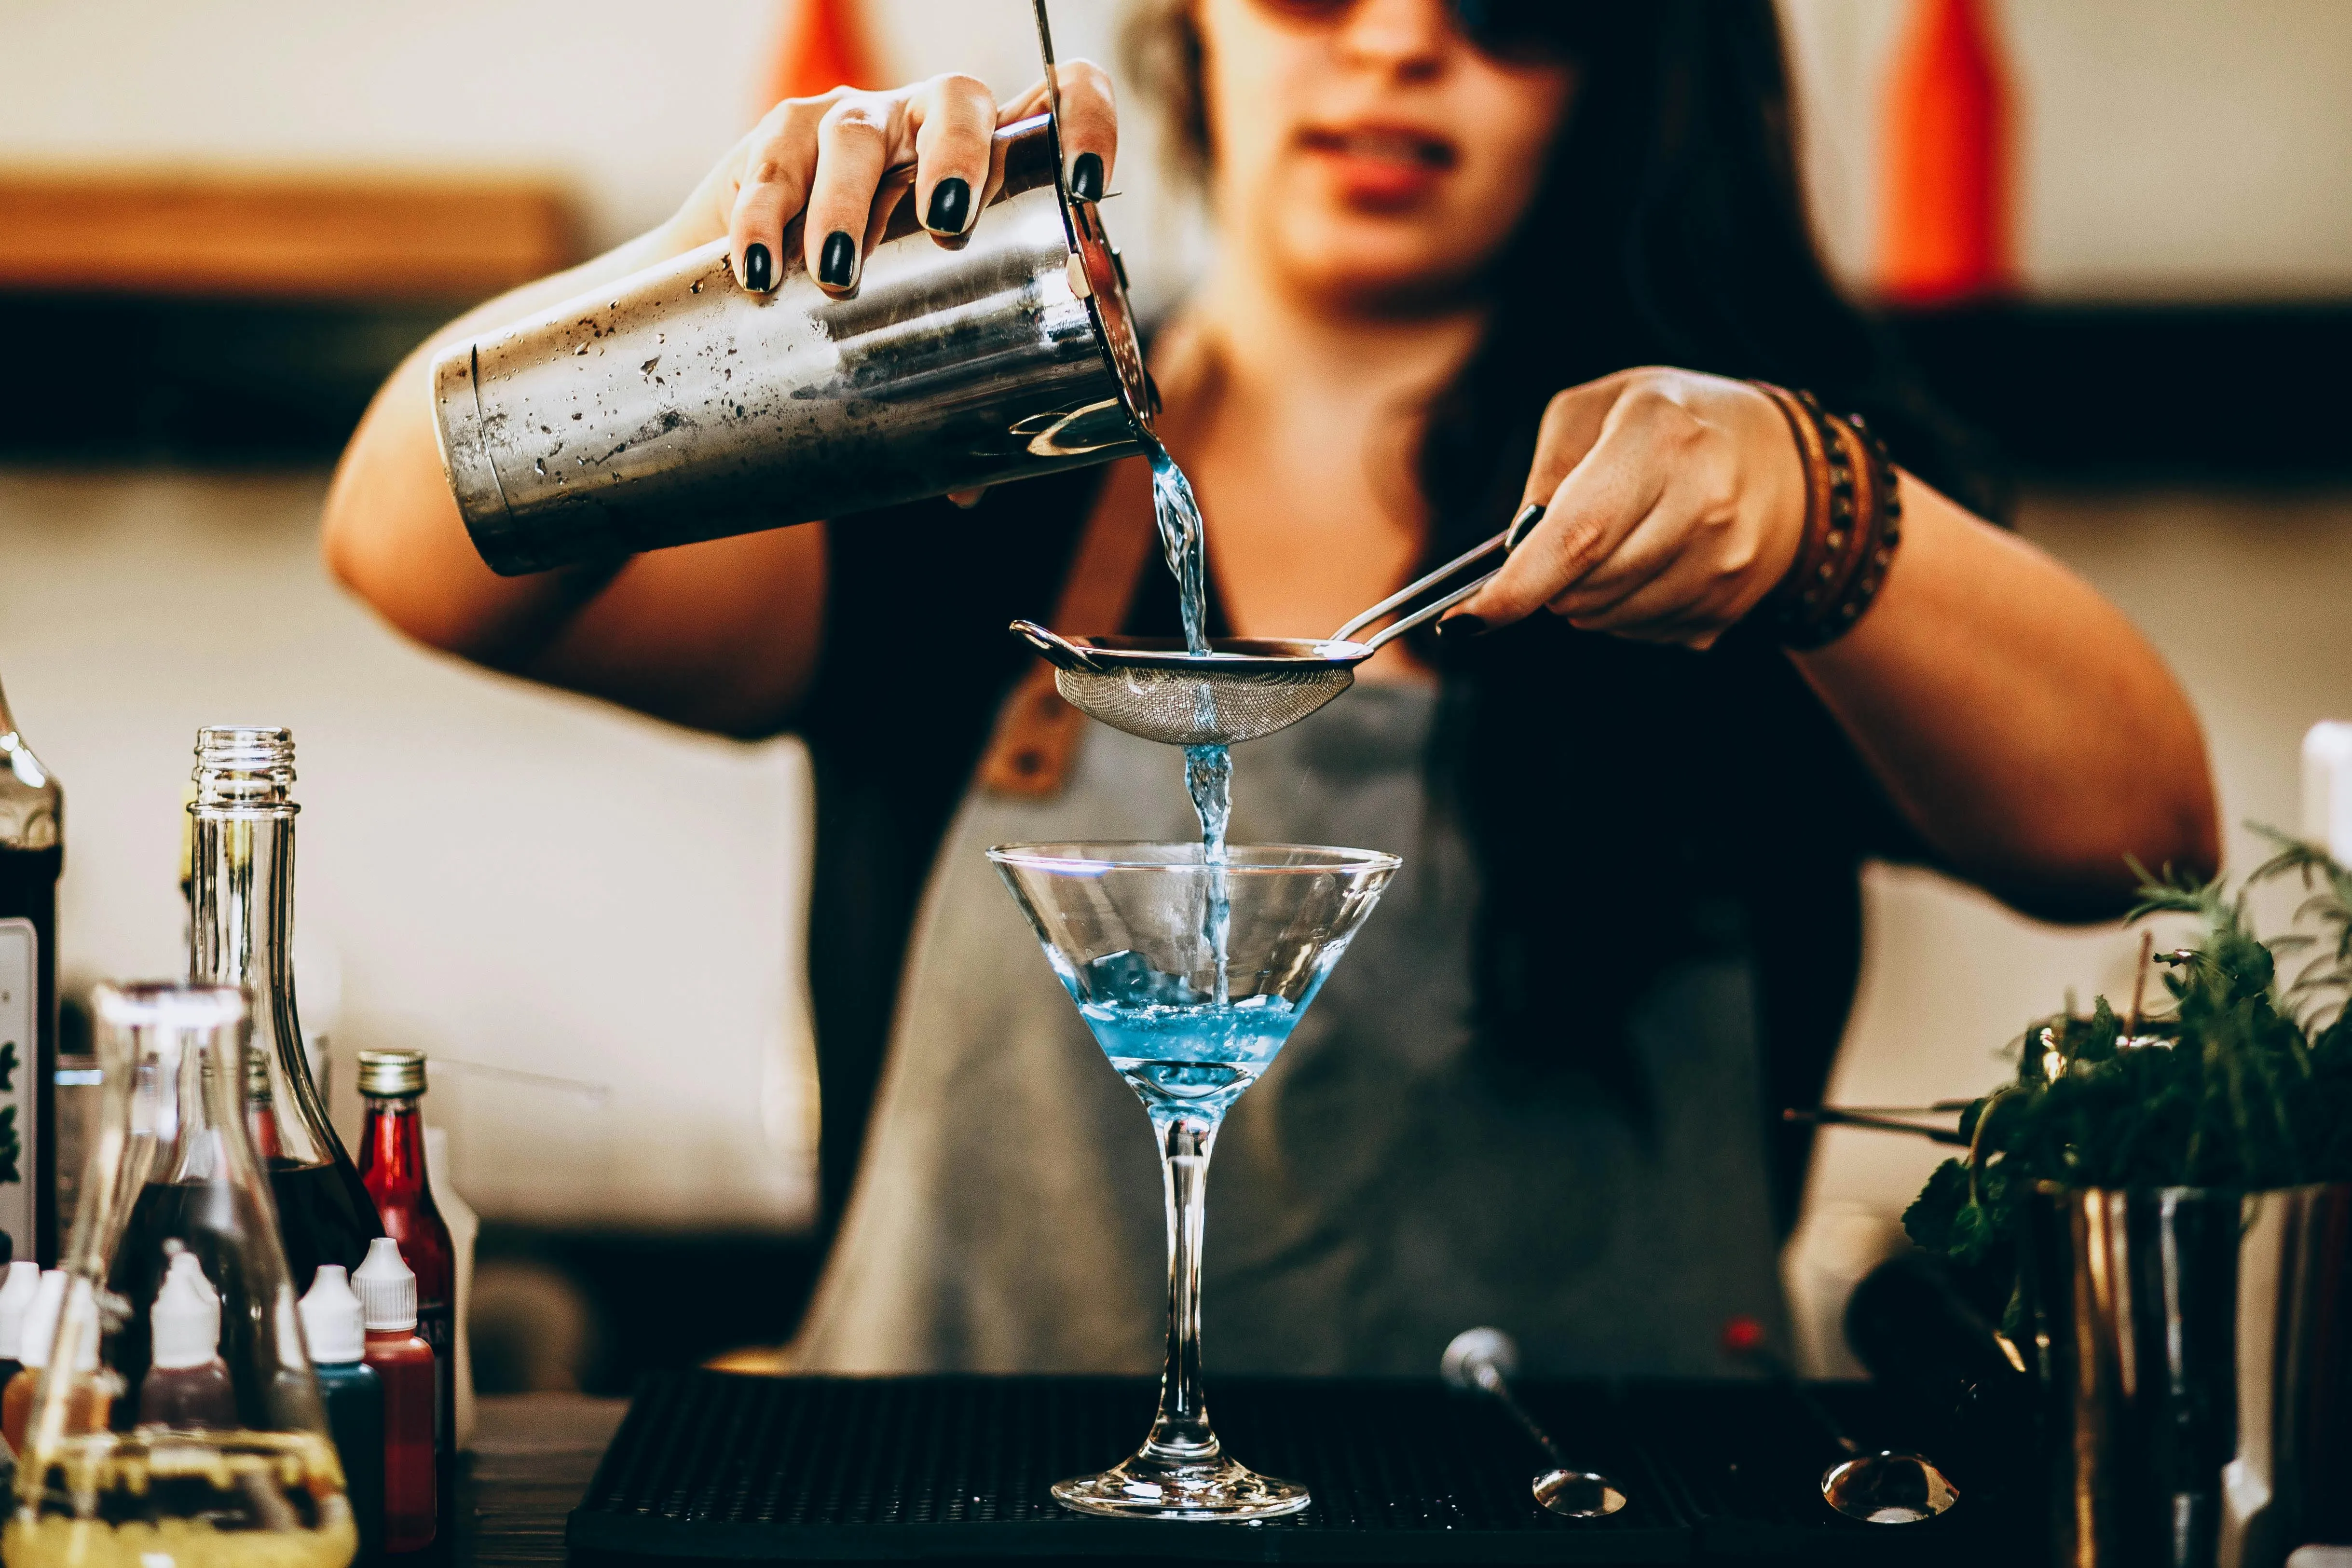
column 392, row 1163
column 31, row 858
column 241, row 933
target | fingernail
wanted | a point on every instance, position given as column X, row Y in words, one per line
column 839, row 259
column 758, row 269
column 1086, row 177
column 950, row 207
column 1530, row 515
column 1462, row 627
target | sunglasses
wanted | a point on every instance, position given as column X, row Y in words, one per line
column 1501, row 29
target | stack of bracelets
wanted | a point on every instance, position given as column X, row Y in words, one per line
column 1853, row 520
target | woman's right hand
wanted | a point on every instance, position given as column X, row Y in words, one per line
column 827, row 156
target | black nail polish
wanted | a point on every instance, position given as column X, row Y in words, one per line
column 839, row 258
column 950, row 207
column 1086, row 177
column 758, row 269
column 1463, row 626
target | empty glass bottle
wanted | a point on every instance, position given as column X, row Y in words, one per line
column 173, row 1173
column 241, row 933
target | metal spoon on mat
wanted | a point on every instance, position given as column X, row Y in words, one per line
column 1481, row 1361
column 1884, row 1488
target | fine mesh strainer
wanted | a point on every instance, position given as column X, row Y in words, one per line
column 1243, row 687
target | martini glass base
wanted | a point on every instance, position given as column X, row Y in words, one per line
column 1147, row 1487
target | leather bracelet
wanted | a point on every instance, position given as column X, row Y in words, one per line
column 1853, row 524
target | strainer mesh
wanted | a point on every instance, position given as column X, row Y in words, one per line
column 1182, row 707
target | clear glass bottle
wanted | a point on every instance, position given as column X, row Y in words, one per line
column 31, row 858
column 173, row 1173
column 241, row 933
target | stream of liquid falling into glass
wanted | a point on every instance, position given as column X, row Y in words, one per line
column 1208, row 769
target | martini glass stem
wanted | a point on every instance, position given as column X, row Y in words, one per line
column 1180, row 1433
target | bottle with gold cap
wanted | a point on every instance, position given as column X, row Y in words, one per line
column 391, row 1164
column 241, row 933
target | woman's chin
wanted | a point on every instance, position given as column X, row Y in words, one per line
column 1366, row 279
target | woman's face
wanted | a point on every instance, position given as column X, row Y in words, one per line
column 1366, row 152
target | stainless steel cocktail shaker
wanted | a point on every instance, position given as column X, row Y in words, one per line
column 675, row 406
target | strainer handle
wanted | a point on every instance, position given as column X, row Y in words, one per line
column 1505, row 541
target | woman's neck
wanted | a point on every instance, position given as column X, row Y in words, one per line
column 1277, row 347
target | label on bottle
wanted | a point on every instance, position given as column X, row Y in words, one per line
column 20, row 1024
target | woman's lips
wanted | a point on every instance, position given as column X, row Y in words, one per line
column 1380, row 166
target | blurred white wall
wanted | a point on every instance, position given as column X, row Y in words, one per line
column 2166, row 149
column 2169, row 148
column 587, row 920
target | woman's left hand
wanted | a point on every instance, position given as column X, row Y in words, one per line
column 1674, row 502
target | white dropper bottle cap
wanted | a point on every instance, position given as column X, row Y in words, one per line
column 24, row 1282
column 41, row 1319
column 187, row 1317
column 333, row 1321
column 387, row 1288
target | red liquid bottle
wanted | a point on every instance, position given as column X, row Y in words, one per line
column 404, row 1364
column 391, row 1164
column 31, row 858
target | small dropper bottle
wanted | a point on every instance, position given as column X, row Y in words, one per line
column 90, row 1402
column 404, row 1365
column 187, row 1385
column 15, row 1295
column 335, row 1326
column 393, row 1168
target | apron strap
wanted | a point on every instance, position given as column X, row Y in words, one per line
column 1037, row 732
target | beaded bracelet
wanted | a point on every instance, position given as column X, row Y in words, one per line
column 1853, row 521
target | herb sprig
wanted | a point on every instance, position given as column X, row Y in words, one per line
column 2246, row 1081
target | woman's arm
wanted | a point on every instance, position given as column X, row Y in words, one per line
column 722, row 635
column 2020, row 721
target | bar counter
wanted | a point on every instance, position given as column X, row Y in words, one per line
column 713, row 1467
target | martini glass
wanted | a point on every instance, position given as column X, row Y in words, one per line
column 1191, row 976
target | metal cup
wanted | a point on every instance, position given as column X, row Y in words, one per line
column 2196, row 1351
column 675, row 406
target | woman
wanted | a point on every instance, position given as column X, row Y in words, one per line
column 1460, row 242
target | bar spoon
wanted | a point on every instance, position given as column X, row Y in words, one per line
column 1481, row 1361
column 1884, row 1488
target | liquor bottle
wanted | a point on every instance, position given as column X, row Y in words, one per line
column 31, row 858
column 241, row 933
column 391, row 1164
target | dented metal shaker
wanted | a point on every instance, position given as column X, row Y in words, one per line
column 675, row 406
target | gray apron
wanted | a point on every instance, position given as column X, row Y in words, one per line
column 1381, row 1188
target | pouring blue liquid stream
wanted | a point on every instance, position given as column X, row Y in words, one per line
column 1208, row 769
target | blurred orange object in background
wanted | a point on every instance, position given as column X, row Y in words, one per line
column 1947, row 228
column 823, row 45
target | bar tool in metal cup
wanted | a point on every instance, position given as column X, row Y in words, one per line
column 1885, row 1486
column 2196, row 1351
column 1483, row 1361
column 675, row 405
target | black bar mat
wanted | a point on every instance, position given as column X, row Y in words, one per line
column 1746, row 1464
column 838, row 1469
column 715, row 1466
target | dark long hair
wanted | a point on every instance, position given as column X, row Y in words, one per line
column 1697, row 803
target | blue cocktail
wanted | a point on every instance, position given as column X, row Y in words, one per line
column 1191, row 976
